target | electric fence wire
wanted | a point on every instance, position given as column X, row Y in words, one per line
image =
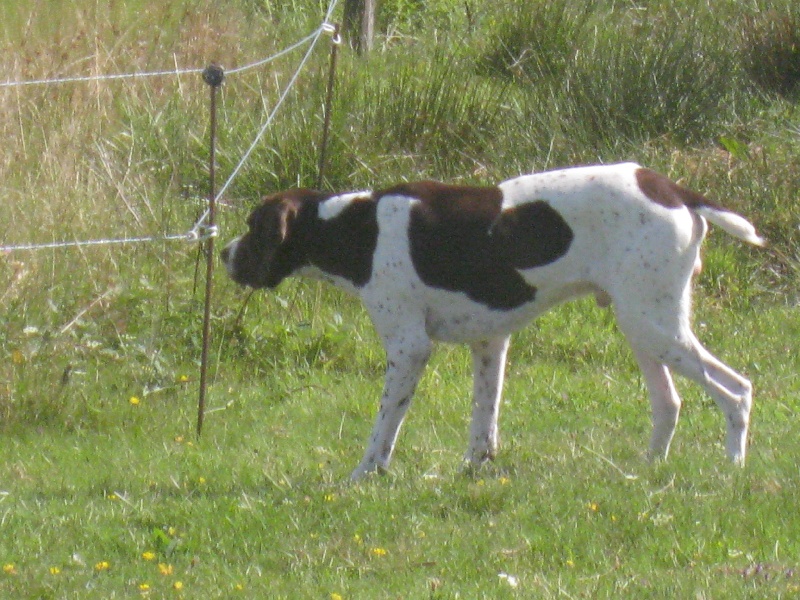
column 200, row 231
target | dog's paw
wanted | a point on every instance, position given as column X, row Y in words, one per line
column 480, row 455
column 364, row 471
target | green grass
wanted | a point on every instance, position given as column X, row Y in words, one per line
column 260, row 500
column 102, row 497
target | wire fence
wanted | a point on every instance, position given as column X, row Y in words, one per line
column 201, row 230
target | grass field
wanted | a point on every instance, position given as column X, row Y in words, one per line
column 105, row 491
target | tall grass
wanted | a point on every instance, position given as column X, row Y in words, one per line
column 515, row 89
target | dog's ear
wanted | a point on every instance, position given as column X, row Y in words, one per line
column 287, row 213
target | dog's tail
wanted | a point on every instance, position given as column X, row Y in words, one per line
column 734, row 224
column 662, row 190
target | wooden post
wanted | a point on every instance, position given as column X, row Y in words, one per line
column 323, row 147
column 359, row 23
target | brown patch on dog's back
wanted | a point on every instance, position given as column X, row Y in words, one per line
column 461, row 242
column 667, row 193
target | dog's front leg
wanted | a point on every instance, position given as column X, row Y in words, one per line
column 407, row 353
column 488, row 364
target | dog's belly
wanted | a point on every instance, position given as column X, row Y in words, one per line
column 475, row 323
column 452, row 317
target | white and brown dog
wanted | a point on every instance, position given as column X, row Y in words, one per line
column 474, row 264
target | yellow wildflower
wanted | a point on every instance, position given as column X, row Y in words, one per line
column 165, row 569
column 54, row 570
column 379, row 551
column 335, row 596
column 144, row 587
column 178, row 585
column 134, row 400
column 9, row 569
column 148, row 555
column 103, row 565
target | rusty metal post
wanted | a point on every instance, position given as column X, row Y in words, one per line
column 213, row 75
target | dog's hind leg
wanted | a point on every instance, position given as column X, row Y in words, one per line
column 664, row 401
column 407, row 353
column 488, row 364
column 683, row 353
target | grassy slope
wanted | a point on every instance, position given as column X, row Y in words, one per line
column 87, row 477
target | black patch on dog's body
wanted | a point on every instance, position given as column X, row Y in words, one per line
column 461, row 242
column 344, row 245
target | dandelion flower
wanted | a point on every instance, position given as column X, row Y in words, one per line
column 379, row 551
column 335, row 596
column 149, row 555
column 165, row 569
column 144, row 587
column 9, row 569
column 103, row 565
column 54, row 570
column 178, row 585
column 183, row 378
column 134, row 400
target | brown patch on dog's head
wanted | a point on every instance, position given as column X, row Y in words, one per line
column 265, row 255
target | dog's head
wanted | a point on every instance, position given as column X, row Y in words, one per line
column 269, row 252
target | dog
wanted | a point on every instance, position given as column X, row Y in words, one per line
column 462, row 264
